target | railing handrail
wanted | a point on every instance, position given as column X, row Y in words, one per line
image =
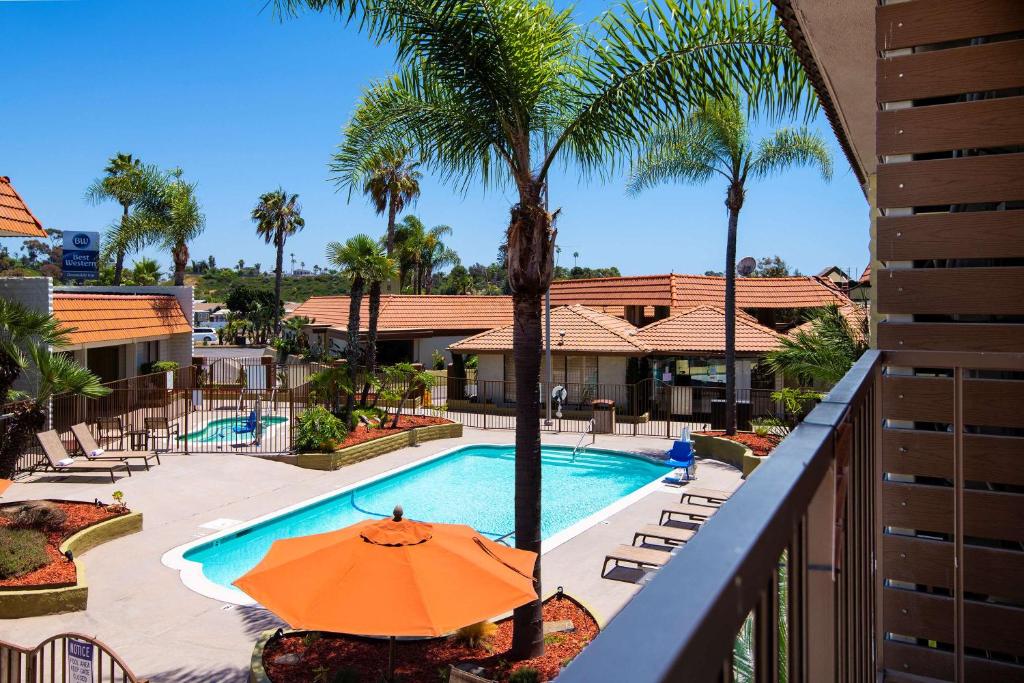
column 675, row 627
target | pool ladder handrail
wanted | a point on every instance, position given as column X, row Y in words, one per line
column 593, row 438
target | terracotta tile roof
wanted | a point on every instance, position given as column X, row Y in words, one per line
column 702, row 328
column 115, row 317
column 686, row 291
column 865, row 277
column 586, row 331
column 414, row 312
column 855, row 315
column 16, row 220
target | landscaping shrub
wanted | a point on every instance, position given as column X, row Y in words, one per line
column 319, row 431
column 345, row 675
column 21, row 551
column 477, row 634
column 157, row 366
column 42, row 515
column 524, row 675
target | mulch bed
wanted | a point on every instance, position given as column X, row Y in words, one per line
column 760, row 445
column 406, row 422
column 424, row 660
column 60, row 572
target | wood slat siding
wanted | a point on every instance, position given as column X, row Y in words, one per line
column 992, row 627
column 926, row 22
column 982, row 337
column 994, row 459
column 919, row 660
column 994, row 403
column 973, row 234
column 988, row 459
column 926, row 399
column 946, row 127
column 964, row 180
column 981, row 291
column 990, row 66
column 929, row 562
column 992, row 515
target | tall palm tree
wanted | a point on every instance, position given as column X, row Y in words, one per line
column 714, row 140
column 380, row 268
column 408, row 249
column 130, row 183
column 355, row 258
column 502, row 90
column 435, row 255
column 175, row 219
column 388, row 176
column 278, row 216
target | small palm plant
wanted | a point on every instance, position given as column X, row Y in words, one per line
column 826, row 351
column 714, row 141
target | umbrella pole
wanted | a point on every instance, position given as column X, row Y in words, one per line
column 391, row 659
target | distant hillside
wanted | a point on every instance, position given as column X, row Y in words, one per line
column 216, row 286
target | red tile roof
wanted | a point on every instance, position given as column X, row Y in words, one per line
column 414, row 312
column 865, row 277
column 702, row 328
column 686, row 291
column 855, row 315
column 117, row 317
column 585, row 331
column 16, row 220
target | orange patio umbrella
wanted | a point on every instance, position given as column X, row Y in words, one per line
column 393, row 577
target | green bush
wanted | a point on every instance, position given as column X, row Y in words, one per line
column 437, row 360
column 319, row 431
column 21, row 551
column 158, row 366
column 345, row 675
column 524, row 675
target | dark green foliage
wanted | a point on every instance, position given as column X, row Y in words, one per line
column 345, row 675
column 217, row 284
column 524, row 675
column 21, row 551
column 319, row 431
column 158, row 366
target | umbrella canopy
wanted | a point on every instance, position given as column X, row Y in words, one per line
column 393, row 577
column 16, row 220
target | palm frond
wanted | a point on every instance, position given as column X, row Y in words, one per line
column 788, row 147
column 58, row 373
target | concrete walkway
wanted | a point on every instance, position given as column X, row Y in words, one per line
column 166, row 632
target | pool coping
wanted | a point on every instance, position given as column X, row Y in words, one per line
column 191, row 573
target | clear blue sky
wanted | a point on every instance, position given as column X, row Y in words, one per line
column 244, row 103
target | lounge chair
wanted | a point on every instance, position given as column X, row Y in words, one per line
column 110, row 429
column 641, row 558
column 88, row 445
column 58, row 460
column 160, row 428
column 707, row 497
column 696, row 513
column 671, row 535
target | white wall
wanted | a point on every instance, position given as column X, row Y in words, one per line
column 490, row 367
column 423, row 349
column 35, row 294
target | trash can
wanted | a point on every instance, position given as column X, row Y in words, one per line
column 604, row 416
column 743, row 413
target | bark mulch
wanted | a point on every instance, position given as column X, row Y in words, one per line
column 425, row 660
column 406, row 422
column 760, row 445
column 60, row 572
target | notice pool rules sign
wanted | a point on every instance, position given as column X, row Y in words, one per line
column 81, row 259
column 79, row 661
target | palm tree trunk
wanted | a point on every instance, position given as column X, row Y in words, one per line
column 529, row 269
column 180, row 256
column 119, row 260
column 277, row 283
column 371, row 340
column 392, row 215
column 734, row 202
column 352, row 347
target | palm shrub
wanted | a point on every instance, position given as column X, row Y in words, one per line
column 329, row 386
column 825, row 352
column 710, row 141
column 319, row 431
column 502, row 91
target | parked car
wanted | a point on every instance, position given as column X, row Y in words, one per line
column 204, row 334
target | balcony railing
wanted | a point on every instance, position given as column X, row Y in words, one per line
column 793, row 550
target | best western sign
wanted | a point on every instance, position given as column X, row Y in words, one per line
column 81, row 255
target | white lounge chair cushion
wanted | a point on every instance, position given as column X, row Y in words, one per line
column 65, row 462
column 96, row 452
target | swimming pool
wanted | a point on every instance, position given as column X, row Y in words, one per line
column 471, row 485
column 217, row 431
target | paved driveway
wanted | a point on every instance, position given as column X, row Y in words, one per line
column 227, row 352
column 168, row 633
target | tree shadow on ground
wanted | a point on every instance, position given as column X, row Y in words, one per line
column 222, row 674
column 256, row 620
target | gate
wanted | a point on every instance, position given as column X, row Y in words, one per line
column 64, row 658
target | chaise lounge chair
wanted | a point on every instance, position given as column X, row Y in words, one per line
column 671, row 535
column 58, row 460
column 697, row 514
column 706, row 497
column 641, row 558
column 88, row 445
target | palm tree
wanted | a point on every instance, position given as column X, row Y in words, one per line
column 278, row 216
column 356, row 260
column 713, row 140
column 130, row 183
column 241, row 265
column 380, row 268
column 388, row 176
column 25, row 340
column 145, row 271
column 175, row 220
column 502, row 90
column 824, row 352
column 435, row 255
column 409, row 249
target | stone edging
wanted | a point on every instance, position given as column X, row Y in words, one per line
column 37, row 602
column 727, row 451
column 375, row 447
column 258, row 673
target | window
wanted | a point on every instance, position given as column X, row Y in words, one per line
column 578, row 374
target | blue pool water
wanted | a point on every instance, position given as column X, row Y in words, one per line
column 472, row 485
column 220, row 430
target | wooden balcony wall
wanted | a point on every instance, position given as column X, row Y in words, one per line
column 950, row 238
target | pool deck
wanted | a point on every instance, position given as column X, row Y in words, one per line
column 168, row 633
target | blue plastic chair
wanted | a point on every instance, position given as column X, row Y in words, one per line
column 681, row 456
column 249, row 427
